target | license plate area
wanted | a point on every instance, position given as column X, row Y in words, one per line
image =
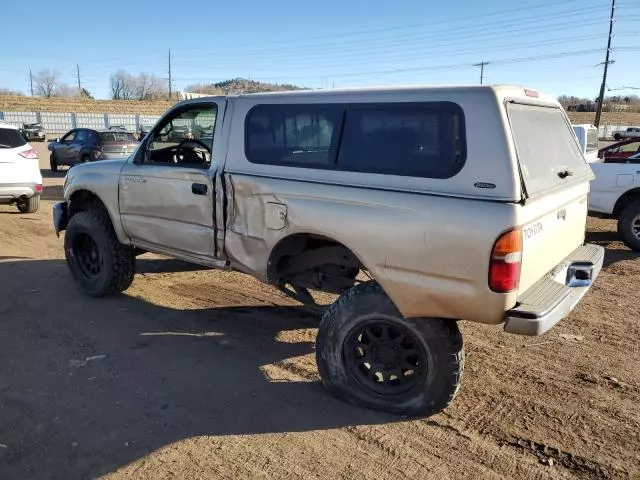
column 580, row 274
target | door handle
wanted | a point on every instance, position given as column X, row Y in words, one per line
column 198, row 189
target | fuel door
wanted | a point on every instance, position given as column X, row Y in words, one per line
column 275, row 216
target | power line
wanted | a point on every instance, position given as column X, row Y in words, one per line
column 439, row 34
column 417, row 56
column 450, row 67
column 414, row 25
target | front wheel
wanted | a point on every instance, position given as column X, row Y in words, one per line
column 370, row 355
column 99, row 263
column 629, row 226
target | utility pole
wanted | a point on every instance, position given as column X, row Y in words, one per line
column 79, row 86
column 169, row 74
column 596, row 123
column 31, row 81
column 481, row 65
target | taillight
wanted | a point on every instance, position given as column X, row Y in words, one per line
column 506, row 259
column 38, row 188
column 31, row 153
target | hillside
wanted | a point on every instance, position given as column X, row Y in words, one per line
column 9, row 103
column 239, row 85
column 608, row 118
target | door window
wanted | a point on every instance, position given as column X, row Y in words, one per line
column 81, row 136
column 69, row 137
column 184, row 138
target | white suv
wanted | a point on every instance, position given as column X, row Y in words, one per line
column 20, row 178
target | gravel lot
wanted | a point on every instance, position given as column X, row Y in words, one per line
column 197, row 373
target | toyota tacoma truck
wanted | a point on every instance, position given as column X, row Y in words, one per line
column 454, row 203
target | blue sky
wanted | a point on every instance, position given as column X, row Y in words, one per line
column 552, row 46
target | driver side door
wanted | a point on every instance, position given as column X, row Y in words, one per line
column 166, row 189
column 63, row 149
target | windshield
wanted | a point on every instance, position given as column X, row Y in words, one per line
column 11, row 138
column 547, row 151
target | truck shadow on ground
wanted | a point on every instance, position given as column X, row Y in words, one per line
column 89, row 385
column 615, row 251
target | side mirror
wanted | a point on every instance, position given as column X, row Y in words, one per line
column 141, row 153
column 56, row 140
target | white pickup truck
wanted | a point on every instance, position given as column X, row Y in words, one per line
column 615, row 192
column 628, row 133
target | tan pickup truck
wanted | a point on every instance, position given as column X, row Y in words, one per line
column 457, row 202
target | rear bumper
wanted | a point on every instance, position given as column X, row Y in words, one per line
column 14, row 191
column 552, row 298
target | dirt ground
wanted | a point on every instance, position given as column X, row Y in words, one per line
column 197, row 373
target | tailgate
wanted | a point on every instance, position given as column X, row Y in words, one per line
column 555, row 179
column 553, row 227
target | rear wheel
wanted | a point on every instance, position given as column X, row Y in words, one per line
column 53, row 162
column 629, row 226
column 29, row 205
column 99, row 263
column 370, row 355
column 85, row 158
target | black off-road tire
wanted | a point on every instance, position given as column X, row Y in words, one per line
column 439, row 339
column 617, row 137
column 629, row 217
column 85, row 158
column 53, row 162
column 118, row 261
column 30, row 205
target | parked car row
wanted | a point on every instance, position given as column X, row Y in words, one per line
column 82, row 145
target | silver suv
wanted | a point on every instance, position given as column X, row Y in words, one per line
column 457, row 202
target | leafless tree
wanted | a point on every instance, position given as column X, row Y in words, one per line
column 123, row 86
column 149, row 87
column 47, row 82
column 8, row 91
column 64, row 90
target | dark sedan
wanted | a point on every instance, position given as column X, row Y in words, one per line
column 85, row 145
